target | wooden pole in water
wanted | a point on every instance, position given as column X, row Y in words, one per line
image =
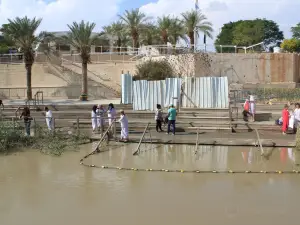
column 150, row 135
column 138, row 147
column 197, row 140
column 259, row 142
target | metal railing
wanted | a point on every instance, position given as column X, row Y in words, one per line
column 37, row 99
column 137, row 151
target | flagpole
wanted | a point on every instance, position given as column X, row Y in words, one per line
column 195, row 29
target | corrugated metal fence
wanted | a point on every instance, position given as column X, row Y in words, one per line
column 205, row 92
column 200, row 92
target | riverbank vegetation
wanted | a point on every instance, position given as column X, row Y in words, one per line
column 12, row 138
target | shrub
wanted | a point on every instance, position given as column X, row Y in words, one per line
column 12, row 137
column 154, row 70
column 291, row 45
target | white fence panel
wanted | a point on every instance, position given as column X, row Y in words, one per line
column 127, row 88
column 140, row 89
column 173, row 87
column 155, row 94
column 206, row 92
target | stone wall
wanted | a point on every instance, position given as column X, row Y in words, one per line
column 264, row 68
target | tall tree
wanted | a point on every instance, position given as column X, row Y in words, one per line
column 134, row 22
column 195, row 21
column 177, row 31
column 296, row 31
column 164, row 26
column 150, row 35
column 249, row 32
column 81, row 37
column 22, row 32
column 115, row 30
column 225, row 37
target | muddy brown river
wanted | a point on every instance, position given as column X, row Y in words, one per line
column 37, row 189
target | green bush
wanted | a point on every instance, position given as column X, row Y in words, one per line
column 282, row 94
column 12, row 137
column 154, row 70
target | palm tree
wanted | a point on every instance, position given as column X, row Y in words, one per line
column 176, row 31
column 134, row 22
column 150, row 35
column 195, row 21
column 115, row 30
column 22, row 32
column 81, row 37
column 164, row 26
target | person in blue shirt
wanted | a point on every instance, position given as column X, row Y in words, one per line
column 171, row 118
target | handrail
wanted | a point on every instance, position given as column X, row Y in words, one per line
column 37, row 99
column 101, row 140
column 138, row 147
column 17, row 110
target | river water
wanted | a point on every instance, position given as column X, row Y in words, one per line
column 38, row 189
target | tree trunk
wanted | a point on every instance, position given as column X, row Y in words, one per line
column 192, row 39
column 84, row 89
column 28, row 79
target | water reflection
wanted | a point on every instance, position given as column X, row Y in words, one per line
column 185, row 157
column 38, row 189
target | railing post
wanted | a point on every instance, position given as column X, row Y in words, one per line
column 53, row 125
column 77, row 126
column 34, row 127
column 115, row 130
column 13, row 120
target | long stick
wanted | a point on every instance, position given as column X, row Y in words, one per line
column 138, row 147
column 259, row 142
column 197, row 141
column 102, row 138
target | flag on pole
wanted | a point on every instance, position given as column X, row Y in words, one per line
column 196, row 5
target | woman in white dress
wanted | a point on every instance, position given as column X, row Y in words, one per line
column 297, row 115
column 124, row 126
column 49, row 119
column 111, row 114
column 100, row 117
column 94, row 118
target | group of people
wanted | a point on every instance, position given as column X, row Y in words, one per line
column 170, row 118
column 98, row 120
column 25, row 115
column 289, row 119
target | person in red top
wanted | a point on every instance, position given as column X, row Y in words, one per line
column 285, row 119
column 246, row 113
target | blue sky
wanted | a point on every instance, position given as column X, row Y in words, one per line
column 57, row 14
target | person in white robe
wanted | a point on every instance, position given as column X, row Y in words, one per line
column 111, row 114
column 297, row 115
column 49, row 119
column 94, row 118
column 100, row 117
column 124, row 126
column 252, row 109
